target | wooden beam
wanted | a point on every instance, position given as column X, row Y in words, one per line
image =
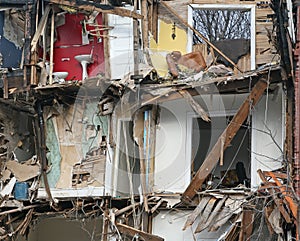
column 52, row 47
column 154, row 21
column 145, row 29
column 195, row 105
column 199, row 34
column 132, row 232
column 212, row 158
column 90, row 7
column 40, row 28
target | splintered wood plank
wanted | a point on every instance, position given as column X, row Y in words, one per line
column 132, row 232
column 198, row 210
column 195, row 105
column 212, row 216
column 292, row 204
column 212, row 158
column 206, row 213
column 247, row 225
column 277, row 201
column 40, row 28
column 221, row 219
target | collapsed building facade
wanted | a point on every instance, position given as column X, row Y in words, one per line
column 149, row 120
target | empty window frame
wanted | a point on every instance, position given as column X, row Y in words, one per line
column 219, row 22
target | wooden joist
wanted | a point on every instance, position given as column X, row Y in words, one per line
column 212, row 158
column 89, row 7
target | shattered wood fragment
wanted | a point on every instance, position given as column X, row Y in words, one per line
column 267, row 211
column 132, row 232
column 246, row 225
column 206, row 213
column 229, row 133
column 40, row 28
column 196, row 106
column 278, row 202
column 23, row 172
column 26, row 222
column 123, row 210
column 292, row 204
column 233, row 233
column 198, row 210
column 221, row 219
column 276, row 174
column 274, row 220
column 157, row 206
column 212, row 216
column 22, row 208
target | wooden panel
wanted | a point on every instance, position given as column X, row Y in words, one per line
column 266, row 58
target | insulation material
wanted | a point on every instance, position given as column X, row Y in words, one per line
column 53, row 156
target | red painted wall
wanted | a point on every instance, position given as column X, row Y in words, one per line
column 68, row 44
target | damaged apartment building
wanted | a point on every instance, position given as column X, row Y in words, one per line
column 149, row 120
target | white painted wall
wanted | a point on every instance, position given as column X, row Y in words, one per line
column 121, row 47
column 268, row 114
column 173, row 159
column 168, row 225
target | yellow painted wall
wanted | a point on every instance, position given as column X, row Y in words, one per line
column 165, row 41
column 166, row 45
